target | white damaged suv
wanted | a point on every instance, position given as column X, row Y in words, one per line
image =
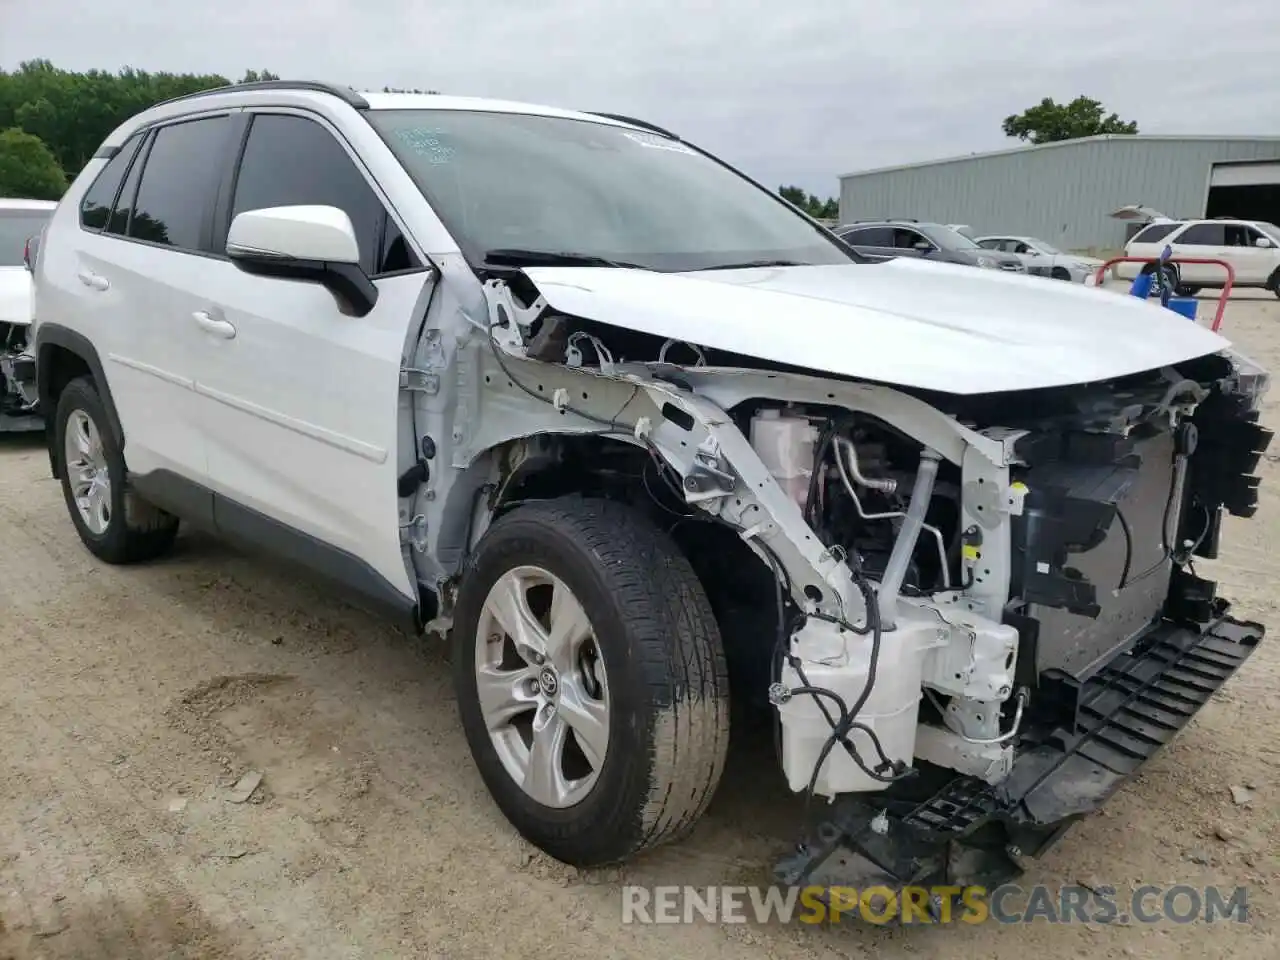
column 646, row 441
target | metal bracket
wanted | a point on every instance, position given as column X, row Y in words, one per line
column 418, row 381
column 414, row 533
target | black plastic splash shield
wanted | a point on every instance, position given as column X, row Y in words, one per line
column 969, row 832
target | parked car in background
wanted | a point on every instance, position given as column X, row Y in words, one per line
column 1043, row 259
column 20, row 224
column 1252, row 247
column 887, row 239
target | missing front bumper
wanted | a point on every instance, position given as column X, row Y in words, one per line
column 965, row 831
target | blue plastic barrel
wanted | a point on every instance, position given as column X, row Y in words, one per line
column 1184, row 305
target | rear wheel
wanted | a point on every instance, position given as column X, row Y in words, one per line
column 114, row 523
column 591, row 680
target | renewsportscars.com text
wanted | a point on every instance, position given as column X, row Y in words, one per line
column 1011, row 903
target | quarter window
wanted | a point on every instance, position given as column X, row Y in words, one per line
column 290, row 160
column 178, row 181
column 95, row 208
column 118, row 223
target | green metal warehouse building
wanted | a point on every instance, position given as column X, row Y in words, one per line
column 1065, row 192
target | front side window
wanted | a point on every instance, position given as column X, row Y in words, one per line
column 870, row 237
column 290, row 160
column 910, row 240
column 181, row 172
column 518, row 183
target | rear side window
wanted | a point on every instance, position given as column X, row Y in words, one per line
column 290, row 160
column 178, row 181
column 1154, row 233
column 95, row 208
column 1203, row 235
column 870, row 237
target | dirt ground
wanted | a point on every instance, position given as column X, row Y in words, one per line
column 131, row 698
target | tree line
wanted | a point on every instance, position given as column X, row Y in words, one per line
column 52, row 120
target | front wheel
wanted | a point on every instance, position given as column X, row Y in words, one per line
column 591, row 680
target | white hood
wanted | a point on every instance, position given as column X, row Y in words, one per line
column 15, row 295
column 906, row 322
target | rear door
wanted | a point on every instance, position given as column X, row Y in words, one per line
column 300, row 401
column 143, row 260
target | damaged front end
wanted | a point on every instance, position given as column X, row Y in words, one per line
column 983, row 612
column 17, row 381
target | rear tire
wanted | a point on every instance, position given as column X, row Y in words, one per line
column 655, row 735
column 115, row 523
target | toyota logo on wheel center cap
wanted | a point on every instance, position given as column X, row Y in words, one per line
column 549, row 682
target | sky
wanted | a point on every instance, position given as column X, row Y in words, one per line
column 789, row 91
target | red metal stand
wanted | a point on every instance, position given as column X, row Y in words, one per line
column 1226, row 289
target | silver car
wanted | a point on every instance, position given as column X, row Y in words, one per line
column 1043, row 259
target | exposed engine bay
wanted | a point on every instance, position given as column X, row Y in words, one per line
column 985, row 607
column 17, row 381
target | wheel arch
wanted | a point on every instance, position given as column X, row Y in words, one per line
column 62, row 355
column 549, row 466
column 532, row 466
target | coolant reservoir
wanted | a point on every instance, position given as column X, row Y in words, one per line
column 785, row 444
column 840, row 661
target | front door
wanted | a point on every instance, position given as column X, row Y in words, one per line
column 300, row 401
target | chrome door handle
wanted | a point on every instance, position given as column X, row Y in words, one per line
column 211, row 324
column 93, row 280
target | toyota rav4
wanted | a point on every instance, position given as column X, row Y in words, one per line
column 643, row 439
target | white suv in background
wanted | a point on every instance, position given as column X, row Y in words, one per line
column 20, row 224
column 1252, row 247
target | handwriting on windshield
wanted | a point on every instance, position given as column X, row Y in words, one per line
column 427, row 144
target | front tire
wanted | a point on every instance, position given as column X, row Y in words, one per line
column 591, row 679
column 114, row 523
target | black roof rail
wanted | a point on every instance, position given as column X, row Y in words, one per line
column 643, row 124
column 346, row 94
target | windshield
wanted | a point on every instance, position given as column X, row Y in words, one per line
column 944, row 236
column 1270, row 229
column 15, row 227
column 520, row 184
